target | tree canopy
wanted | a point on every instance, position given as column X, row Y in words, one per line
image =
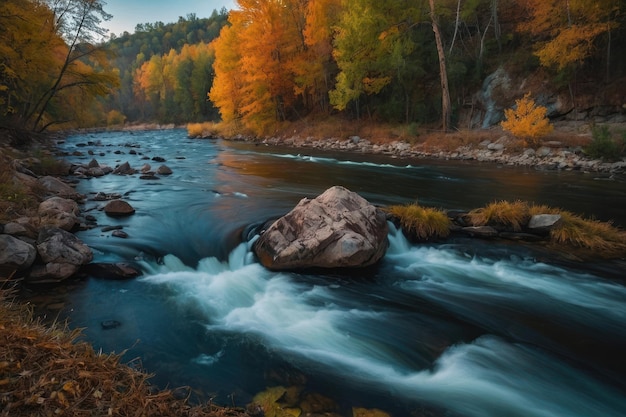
column 271, row 61
column 51, row 66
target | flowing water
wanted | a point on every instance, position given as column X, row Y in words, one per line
column 466, row 328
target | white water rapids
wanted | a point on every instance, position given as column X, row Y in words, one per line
column 492, row 375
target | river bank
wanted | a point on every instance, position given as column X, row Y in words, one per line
column 494, row 147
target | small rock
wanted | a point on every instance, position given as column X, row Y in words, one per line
column 124, row 169
column 148, row 177
column 110, row 324
column 110, row 228
column 480, row 231
column 543, row 223
column 119, row 233
column 158, row 159
column 164, row 170
column 118, row 208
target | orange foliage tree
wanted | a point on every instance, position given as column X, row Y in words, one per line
column 527, row 120
column 272, row 61
column 565, row 31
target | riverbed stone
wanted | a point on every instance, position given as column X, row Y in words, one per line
column 118, row 208
column 57, row 187
column 164, row 170
column 480, row 231
column 543, row 223
column 59, row 212
column 62, row 254
column 124, row 169
column 337, row 229
column 15, row 253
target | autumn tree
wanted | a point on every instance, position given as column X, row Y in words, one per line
column 378, row 46
column 50, row 61
column 565, row 31
column 527, row 120
column 269, row 38
column 314, row 68
column 78, row 23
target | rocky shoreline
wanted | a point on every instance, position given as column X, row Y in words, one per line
column 552, row 155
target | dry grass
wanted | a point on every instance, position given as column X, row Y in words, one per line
column 421, row 223
column 15, row 199
column 600, row 239
column 502, row 214
column 45, row 371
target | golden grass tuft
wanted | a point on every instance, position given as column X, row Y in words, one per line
column 45, row 371
column 422, row 223
column 601, row 239
column 506, row 214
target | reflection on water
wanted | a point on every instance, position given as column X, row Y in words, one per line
column 461, row 329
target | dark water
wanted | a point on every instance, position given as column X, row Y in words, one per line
column 468, row 328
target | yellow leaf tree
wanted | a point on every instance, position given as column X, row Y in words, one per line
column 565, row 31
column 527, row 120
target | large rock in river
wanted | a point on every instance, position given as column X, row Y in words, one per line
column 337, row 229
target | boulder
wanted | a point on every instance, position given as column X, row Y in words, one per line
column 337, row 229
column 57, row 245
column 59, row 212
column 15, row 253
column 62, row 255
column 118, row 208
column 57, row 187
column 543, row 223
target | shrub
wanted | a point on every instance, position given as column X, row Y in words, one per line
column 421, row 223
column 527, row 121
column 603, row 146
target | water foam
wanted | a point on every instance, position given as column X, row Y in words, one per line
column 313, row 326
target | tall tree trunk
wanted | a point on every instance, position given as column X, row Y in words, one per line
column 456, row 24
column 443, row 72
column 496, row 23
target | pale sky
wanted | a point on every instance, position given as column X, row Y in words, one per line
column 127, row 13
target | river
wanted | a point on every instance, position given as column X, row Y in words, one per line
column 468, row 328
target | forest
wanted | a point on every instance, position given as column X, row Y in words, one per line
column 419, row 62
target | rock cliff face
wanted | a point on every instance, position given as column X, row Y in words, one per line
column 337, row 229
